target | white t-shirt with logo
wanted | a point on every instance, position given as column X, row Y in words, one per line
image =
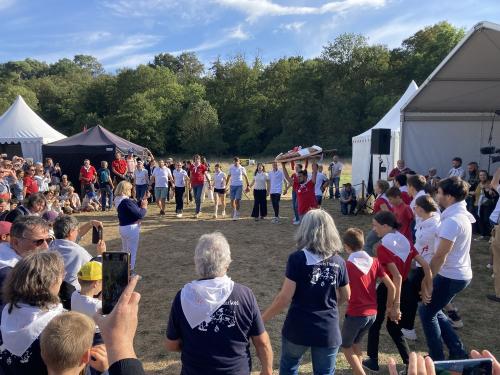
column 219, row 179
column 180, row 177
column 320, row 180
column 162, row 175
column 236, row 174
column 276, row 179
column 457, row 265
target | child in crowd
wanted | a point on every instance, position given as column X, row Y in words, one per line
column 74, row 200
column 396, row 254
column 219, row 190
column 90, row 202
column 400, row 183
column 363, row 271
column 381, row 204
column 403, row 212
column 66, row 345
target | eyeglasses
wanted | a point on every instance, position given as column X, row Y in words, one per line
column 40, row 241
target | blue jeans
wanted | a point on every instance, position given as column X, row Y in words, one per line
column 323, row 358
column 140, row 191
column 335, row 181
column 435, row 323
column 197, row 190
column 106, row 191
column 295, row 206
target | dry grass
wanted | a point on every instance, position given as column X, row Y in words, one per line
column 260, row 251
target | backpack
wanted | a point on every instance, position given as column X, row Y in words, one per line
column 103, row 176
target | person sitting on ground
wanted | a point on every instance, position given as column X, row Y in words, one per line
column 403, row 212
column 74, row 200
column 64, row 186
column 213, row 319
column 316, row 283
column 35, row 205
column 66, row 345
column 90, row 202
column 363, row 271
column 68, row 232
column 400, row 168
column 30, row 294
column 401, row 183
column 348, row 199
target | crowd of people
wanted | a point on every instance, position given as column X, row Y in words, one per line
column 413, row 262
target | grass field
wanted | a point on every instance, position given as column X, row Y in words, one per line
column 259, row 252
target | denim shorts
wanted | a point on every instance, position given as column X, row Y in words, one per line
column 161, row 193
column 355, row 328
column 235, row 192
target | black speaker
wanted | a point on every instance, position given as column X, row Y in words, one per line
column 381, row 142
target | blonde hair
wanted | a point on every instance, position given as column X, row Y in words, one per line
column 318, row 234
column 124, row 188
column 65, row 340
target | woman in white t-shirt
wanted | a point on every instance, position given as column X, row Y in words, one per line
column 219, row 190
column 181, row 179
column 260, row 186
column 426, row 233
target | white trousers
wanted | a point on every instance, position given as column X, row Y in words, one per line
column 130, row 241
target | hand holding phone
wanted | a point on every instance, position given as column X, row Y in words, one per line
column 115, row 278
column 97, row 234
column 479, row 366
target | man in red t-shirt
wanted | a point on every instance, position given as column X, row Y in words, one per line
column 30, row 184
column 88, row 176
column 403, row 212
column 306, row 197
column 400, row 169
column 363, row 271
column 197, row 174
column 119, row 168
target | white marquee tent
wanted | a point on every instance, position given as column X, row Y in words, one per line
column 453, row 112
column 361, row 143
column 21, row 125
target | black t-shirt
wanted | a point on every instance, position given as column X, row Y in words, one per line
column 313, row 318
column 223, row 345
column 29, row 363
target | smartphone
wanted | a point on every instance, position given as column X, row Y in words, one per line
column 115, row 277
column 96, row 234
column 481, row 366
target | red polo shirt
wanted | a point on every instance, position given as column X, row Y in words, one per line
column 197, row 174
column 87, row 175
column 30, row 185
column 119, row 165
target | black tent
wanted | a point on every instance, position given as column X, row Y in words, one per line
column 96, row 144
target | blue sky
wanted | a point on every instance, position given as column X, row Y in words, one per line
column 125, row 33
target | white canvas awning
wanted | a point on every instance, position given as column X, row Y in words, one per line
column 20, row 124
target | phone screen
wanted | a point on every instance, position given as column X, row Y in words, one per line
column 96, row 234
column 115, row 277
column 482, row 366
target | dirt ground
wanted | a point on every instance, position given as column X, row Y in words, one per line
column 259, row 252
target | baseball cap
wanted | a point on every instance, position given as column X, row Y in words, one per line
column 91, row 271
column 5, row 227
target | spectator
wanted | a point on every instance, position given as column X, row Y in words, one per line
column 35, row 205
column 400, row 182
column 485, row 199
column 400, row 168
column 17, row 188
column 432, row 181
column 160, row 178
column 130, row 213
column 105, row 186
column 119, row 168
column 30, row 293
column 64, row 186
column 181, row 180
column 335, row 170
column 348, row 200
column 74, row 200
column 276, row 179
column 235, row 180
column 473, row 172
column 381, row 204
column 30, row 185
column 131, row 166
column 141, row 179
column 213, row 319
column 260, row 186
column 68, row 233
column 66, row 345
column 403, row 212
column 320, row 185
column 5, row 249
column 90, row 281
column 456, row 168
column 42, row 179
column 88, row 176
column 452, row 269
column 315, row 276
column 4, row 184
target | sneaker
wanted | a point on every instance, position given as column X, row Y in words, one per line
column 489, row 266
column 480, row 238
column 162, row 212
column 455, row 319
column 223, row 213
column 179, row 216
column 296, row 222
column 215, row 215
column 256, row 219
column 371, row 365
column 409, row 334
column 197, row 216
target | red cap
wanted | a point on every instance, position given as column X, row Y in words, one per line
column 5, row 227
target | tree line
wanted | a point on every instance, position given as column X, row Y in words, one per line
column 174, row 104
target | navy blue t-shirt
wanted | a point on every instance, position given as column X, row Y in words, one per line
column 313, row 318
column 223, row 345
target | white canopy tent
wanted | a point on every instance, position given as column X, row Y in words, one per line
column 453, row 112
column 20, row 124
column 361, row 143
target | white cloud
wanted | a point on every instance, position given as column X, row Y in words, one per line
column 394, row 32
column 130, row 61
column 293, row 26
column 261, row 8
column 4, row 4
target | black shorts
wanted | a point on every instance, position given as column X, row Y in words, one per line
column 220, row 191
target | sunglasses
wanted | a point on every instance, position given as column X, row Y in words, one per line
column 40, row 241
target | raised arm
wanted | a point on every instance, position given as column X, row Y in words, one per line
column 286, row 175
column 314, row 172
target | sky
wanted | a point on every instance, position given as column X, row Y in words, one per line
column 126, row 33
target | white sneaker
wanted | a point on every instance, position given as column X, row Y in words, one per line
column 197, row 216
column 215, row 215
column 179, row 216
column 223, row 213
column 409, row 334
column 296, row 222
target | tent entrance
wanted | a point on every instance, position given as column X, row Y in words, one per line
column 11, row 149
